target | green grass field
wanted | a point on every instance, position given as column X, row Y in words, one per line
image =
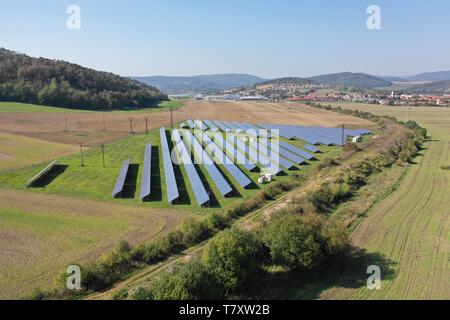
column 11, row 107
column 92, row 181
column 43, row 234
column 17, row 151
column 411, row 227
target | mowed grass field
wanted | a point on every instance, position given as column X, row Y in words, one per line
column 17, row 151
column 411, row 227
column 40, row 235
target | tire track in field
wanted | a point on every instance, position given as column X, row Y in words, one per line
column 410, row 245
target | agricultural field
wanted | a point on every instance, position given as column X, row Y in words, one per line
column 41, row 234
column 411, row 227
column 18, row 151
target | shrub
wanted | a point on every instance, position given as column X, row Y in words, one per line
column 291, row 243
column 122, row 294
column 191, row 281
column 194, row 231
column 327, row 163
column 216, row 221
column 233, row 256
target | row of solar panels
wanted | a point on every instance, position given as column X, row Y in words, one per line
column 316, row 135
column 312, row 135
column 146, row 176
column 224, row 126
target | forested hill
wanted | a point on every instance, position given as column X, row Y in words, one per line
column 63, row 84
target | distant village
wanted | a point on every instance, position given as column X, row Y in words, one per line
column 320, row 93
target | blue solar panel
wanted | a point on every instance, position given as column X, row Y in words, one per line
column 200, row 193
column 312, row 148
column 171, row 182
column 200, row 125
column 249, row 130
column 274, row 157
column 121, row 179
column 221, row 158
column 237, row 155
column 233, row 126
column 190, row 124
column 265, row 163
column 203, row 158
column 222, row 127
column 296, row 150
column 285, row 153
column 211, row 126
column 146, row 173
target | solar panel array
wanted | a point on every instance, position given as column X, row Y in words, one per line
column 169, row 174
column 200, row 193
column 146, row 173
column 221, row 158
column 120, row 184
column 248, row 146
column 203, row 158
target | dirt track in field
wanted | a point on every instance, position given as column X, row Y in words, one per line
column 88, row 127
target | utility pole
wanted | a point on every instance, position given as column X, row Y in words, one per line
column 102, row 146
column 146, row 125
column 81, row 154
column 131, row 125
column 343, row 135
column 104, row 124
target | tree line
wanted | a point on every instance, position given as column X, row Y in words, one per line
column 62, row 84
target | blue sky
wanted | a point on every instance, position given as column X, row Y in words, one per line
column 269, row 38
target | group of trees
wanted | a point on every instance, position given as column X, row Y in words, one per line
column 234, row 260
column 62, row 84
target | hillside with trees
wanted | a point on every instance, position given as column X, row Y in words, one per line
column 349, row 79
column 62, row 84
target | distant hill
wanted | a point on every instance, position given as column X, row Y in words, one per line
column 199, row 84
column 287, row 80
column 394, row 79
column 430, row 76
column 348, row 79
column 63, row 84
column 436, row 87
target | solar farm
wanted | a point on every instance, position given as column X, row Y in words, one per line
column 197, row 164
